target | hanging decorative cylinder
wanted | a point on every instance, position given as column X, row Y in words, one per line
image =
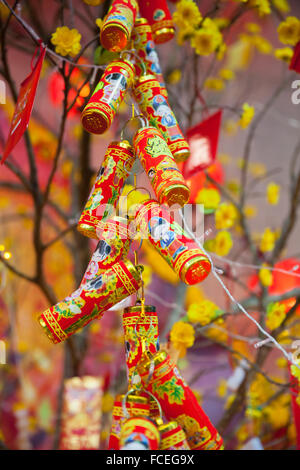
column 155, row 107
column 101, row 108
column 164, row 175
column 159, row 17
column 90, row 301
column 117, row 25
column 178, row 401
column 104, row 196
column 182, row 253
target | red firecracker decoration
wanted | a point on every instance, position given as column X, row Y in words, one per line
column 178, row 402
column 104, row 196
column 118, row 24
column 136, row 405
column 159, row 17
column 139, row 433
column 152, row 103
column 160, row 166
column 177, row 248
column 101, row 108
column 90, row 300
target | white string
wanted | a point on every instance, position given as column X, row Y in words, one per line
column 256, row 266
column 216, row 275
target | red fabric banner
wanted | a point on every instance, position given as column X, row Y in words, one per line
column 24, row 105
column 203, row 141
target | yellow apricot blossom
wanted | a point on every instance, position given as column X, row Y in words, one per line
column 182, row 335
column 289, row 31
column 66, row 41
column 206, row 39
column 250, row 211
column 282, row 5
column 267, row 241
column 246, row 116
column 284, row 53
column 265, row 276
column 202, row 312
column 275, row 315
column 273, row 191
column 222, row 243
column 225, row 215
column 209, row 197
column 187, row 13
column 214, row 83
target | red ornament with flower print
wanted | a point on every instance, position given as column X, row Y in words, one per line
column 105, row 193
column 178, row 402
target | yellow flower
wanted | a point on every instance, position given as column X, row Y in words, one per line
column 214, row 83
column 227, row 74
column 275, row 315
column 174, row 77
column 193, row 295
column 209, row 197
column 207, row 38
column 147, row 275
column 187, row 13
column 257, row 169
column 285, row 54
column 273, row 191
column 222, row 243
column 99, row 22
column 184, row 34
column 222, row 388
column 225, row 215
column 262, row 45
column 131, row 199
column 289, row 31
column 93, row 3
column 66, row 41
column 202, row 312
column 221, row 22
column 263, row 7
column 267, row 241
column 265, row 276
column 107, row 402
column 224, row 158
column 295, row 371
column 242, row 433
column 282, row 5
column 247, row 115
column 253, row 28
column 182, row 335
column 216, row 334
column 221, row 51
column 250, row 211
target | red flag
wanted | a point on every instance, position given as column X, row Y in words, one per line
column 24, row 105
column 203, row 140
column 295, row 62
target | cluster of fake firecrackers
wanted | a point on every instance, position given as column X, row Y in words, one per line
column 159, row 411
